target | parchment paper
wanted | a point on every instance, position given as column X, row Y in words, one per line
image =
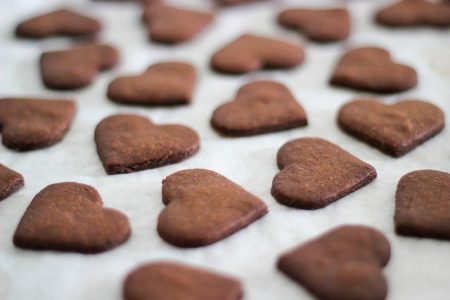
column 419, row 268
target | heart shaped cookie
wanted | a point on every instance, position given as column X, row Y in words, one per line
column 28, row 124
column 172, row 25
column 344, row 263
column 58, row 22
column 422, row 204
column 129, row 143
column 394, row 129
column 321, row 25
column 77, row 67
column 411, row 13
column 168, row 280
column 69, row 216
column 167, row 83
column 259, row 107
column 315, row 173
column 250, row 53
column 203, row 207
column 10, row 182
column 372, row 69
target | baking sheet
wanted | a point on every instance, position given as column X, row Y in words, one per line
column 419, row 268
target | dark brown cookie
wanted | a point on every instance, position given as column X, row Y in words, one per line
column 166, row 83
column 129, row 143
column 168, row 280
column 411, row 13
column 394, row 129
column 250, row 53
column 321, row 25
column 259, row 107
column 69, row 216
column 203, row 207
column 422, row 204
column 28, row 124
column 10, row 182
column 59, row 22
column 77, row 67
column 172, row 25
column 315, row 173
column 372, row 69
column 344, row 263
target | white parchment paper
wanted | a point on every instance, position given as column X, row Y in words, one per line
column 419, row 268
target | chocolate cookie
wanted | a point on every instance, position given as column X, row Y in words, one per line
column 203, row 207
column 69, row 217
column 59, row 22
column 28, row 124
column 411, row 13
column 77, row 67
column 166, row 83
column 394, row 129
column 129, row 143
column 168, row 280
column 344, row 263
column 372, row 69
column 321, row 25
column 259, row 107
column 10, row 182
column 172, row 25
column 315, row 173
column 422, row 204
column 250, row 53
